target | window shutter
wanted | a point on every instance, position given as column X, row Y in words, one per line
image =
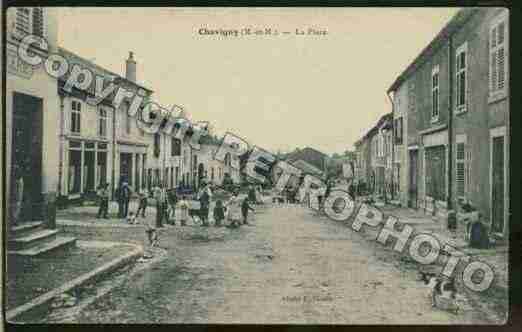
column 460, row 169
column 23, row 20
column 38, row 24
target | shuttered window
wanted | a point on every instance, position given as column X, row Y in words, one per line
column 498, row 56
column 461, row 169
column 29, row 21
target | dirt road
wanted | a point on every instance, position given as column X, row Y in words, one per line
column 289, row 267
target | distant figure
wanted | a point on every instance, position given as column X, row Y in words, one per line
column 234, row 210
column 103, row 194
column 182, row 210
column 204, row 201
column 161, row 201
column 17, row 194
column 219, row 213
column 245, row 207
column 143, row 196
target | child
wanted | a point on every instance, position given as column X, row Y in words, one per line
column 233, row 211
column 103, row 193
column 131, row 218
column 182, row 210
column 151, row 234
column 219, row 213
column 142, row 196
column 245, row 206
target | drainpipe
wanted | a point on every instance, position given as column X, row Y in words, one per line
column 60, row 153
column 113, row 172
column 450, row 126
column 392, row 145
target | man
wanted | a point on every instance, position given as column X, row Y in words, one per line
column 161, row 201
column 125, row 196
column 103, row 194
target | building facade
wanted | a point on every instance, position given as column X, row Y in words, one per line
column 31, row 115
column 456, row 121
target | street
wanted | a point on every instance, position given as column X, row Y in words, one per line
column 290, row 266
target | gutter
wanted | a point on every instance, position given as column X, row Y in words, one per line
column 450, row 126
column 393, row 145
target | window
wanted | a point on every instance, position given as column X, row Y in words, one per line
column 102, row 122
column 157, row 145
column 76, row 108
column 497, row 55
column 128, row 119
column 435, row 94
column 461, row 78
column 397, row 130
column 175, row 147
column 29, row 21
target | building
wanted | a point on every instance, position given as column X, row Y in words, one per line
column 311, row 156
column 98, row 143
column 455, row 145
column 32, row 115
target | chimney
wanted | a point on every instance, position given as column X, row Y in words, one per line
column 130, row 69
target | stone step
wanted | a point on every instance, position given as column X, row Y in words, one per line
column 60, row 242
column 32, row 239
column 24, row 228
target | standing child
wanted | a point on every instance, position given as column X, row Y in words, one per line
column 142, row 196
column 182, row 211
column 245, row 206
column 234, row 211
column 219, row 213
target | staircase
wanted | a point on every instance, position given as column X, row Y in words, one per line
column 31, row 239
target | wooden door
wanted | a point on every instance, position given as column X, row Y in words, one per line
column 413, row 191
column 498, row 183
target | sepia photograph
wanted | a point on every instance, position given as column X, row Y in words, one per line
column 256, row 165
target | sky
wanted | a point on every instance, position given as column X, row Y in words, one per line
column 276, row 92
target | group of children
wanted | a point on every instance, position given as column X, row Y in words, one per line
column 235, row 210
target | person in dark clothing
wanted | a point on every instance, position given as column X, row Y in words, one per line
column 219, row 213
column 245, row 206
column 103, row 194
column 125, row 196
column 172, row 200
column 204, row 201
column 252, row 194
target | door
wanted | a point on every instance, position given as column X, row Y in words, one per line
column 26, row 153
column 413, row 190
column 126, row 167
column 498, row 183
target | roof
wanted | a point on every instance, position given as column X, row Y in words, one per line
column 306, row 167
column 75, row 58
column 450, row 28
column 382, row 120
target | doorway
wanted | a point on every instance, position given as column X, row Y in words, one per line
column 126, row 167
column 498, row 183
column 413, row 190
column 26, row 154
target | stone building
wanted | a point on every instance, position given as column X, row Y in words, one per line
column 453, row 100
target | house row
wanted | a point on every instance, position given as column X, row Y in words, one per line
column 65, row 148
column 450, row 123
column 374, row 157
